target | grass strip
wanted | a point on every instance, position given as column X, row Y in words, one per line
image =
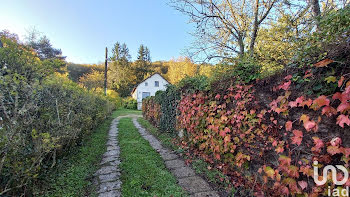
column 143, row 170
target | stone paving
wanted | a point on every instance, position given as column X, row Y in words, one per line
column 186, row 177
column 107, row 177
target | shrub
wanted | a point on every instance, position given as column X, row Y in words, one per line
column 129, row 103
column 41, row 116
column 168, row 101
column 330, row 40
column 193, row 84
column 245, row 69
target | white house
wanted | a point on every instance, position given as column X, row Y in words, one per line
column 148, row 87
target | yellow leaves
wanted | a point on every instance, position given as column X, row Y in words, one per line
column 269, row 172
column 331, row 79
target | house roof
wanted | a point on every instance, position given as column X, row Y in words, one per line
column 133, row 90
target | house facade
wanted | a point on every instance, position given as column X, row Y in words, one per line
column 148, row 87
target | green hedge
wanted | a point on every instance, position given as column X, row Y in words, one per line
column 160, row 110
column 42, row 115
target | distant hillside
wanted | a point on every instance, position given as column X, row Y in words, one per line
column 78, row 70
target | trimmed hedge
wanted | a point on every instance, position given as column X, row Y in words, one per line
column 160, row 110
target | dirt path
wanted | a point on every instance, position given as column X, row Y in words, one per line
column 186, row 177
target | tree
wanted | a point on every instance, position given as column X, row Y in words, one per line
column 42, row 46
column 180, row 68
column 142, row 66
column 225, row 28
column 121, row 75
column 93, row 80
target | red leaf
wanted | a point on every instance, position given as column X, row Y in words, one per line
column 293, row 104
column 308, row 73
column 307, row 103
column 288, row 77
column 298, row 137
column 329, row 111
column 307, row 123
column 302, row 184
column 320, row 102
column 310, row 125
column 285, row 86
column 217, row 96
column 342, row 119
column 318, row 144
column 299, row 100
column 323, row 63
column 222, row 133
column 343, row 107
column 289, row 125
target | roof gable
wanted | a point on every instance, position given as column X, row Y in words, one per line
column 133, row 90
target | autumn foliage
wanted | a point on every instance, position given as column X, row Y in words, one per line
column 272, row 129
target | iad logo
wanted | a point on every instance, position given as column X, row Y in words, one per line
column 334, row 174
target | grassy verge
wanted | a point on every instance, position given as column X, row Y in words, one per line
column 212, row 175
column 143, row 170
column 72, row 175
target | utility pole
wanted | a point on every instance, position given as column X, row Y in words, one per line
column 106, row 72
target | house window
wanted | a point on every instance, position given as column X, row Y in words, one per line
column 156, row 83
column 145, row 95
column 146, row 84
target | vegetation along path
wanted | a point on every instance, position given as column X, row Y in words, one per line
column 185, row 176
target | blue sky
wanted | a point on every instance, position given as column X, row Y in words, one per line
column 83, row 28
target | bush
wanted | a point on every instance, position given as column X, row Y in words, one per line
column 193, row 84
column 41, row 116
column 168, row 101
column 129, row 103
column 330, row 40
column 151, row 110
column 245, row 69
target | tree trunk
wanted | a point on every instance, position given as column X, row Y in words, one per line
column 255, row 28
column 316, row 8
column 316, row 11
column 241, row 45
